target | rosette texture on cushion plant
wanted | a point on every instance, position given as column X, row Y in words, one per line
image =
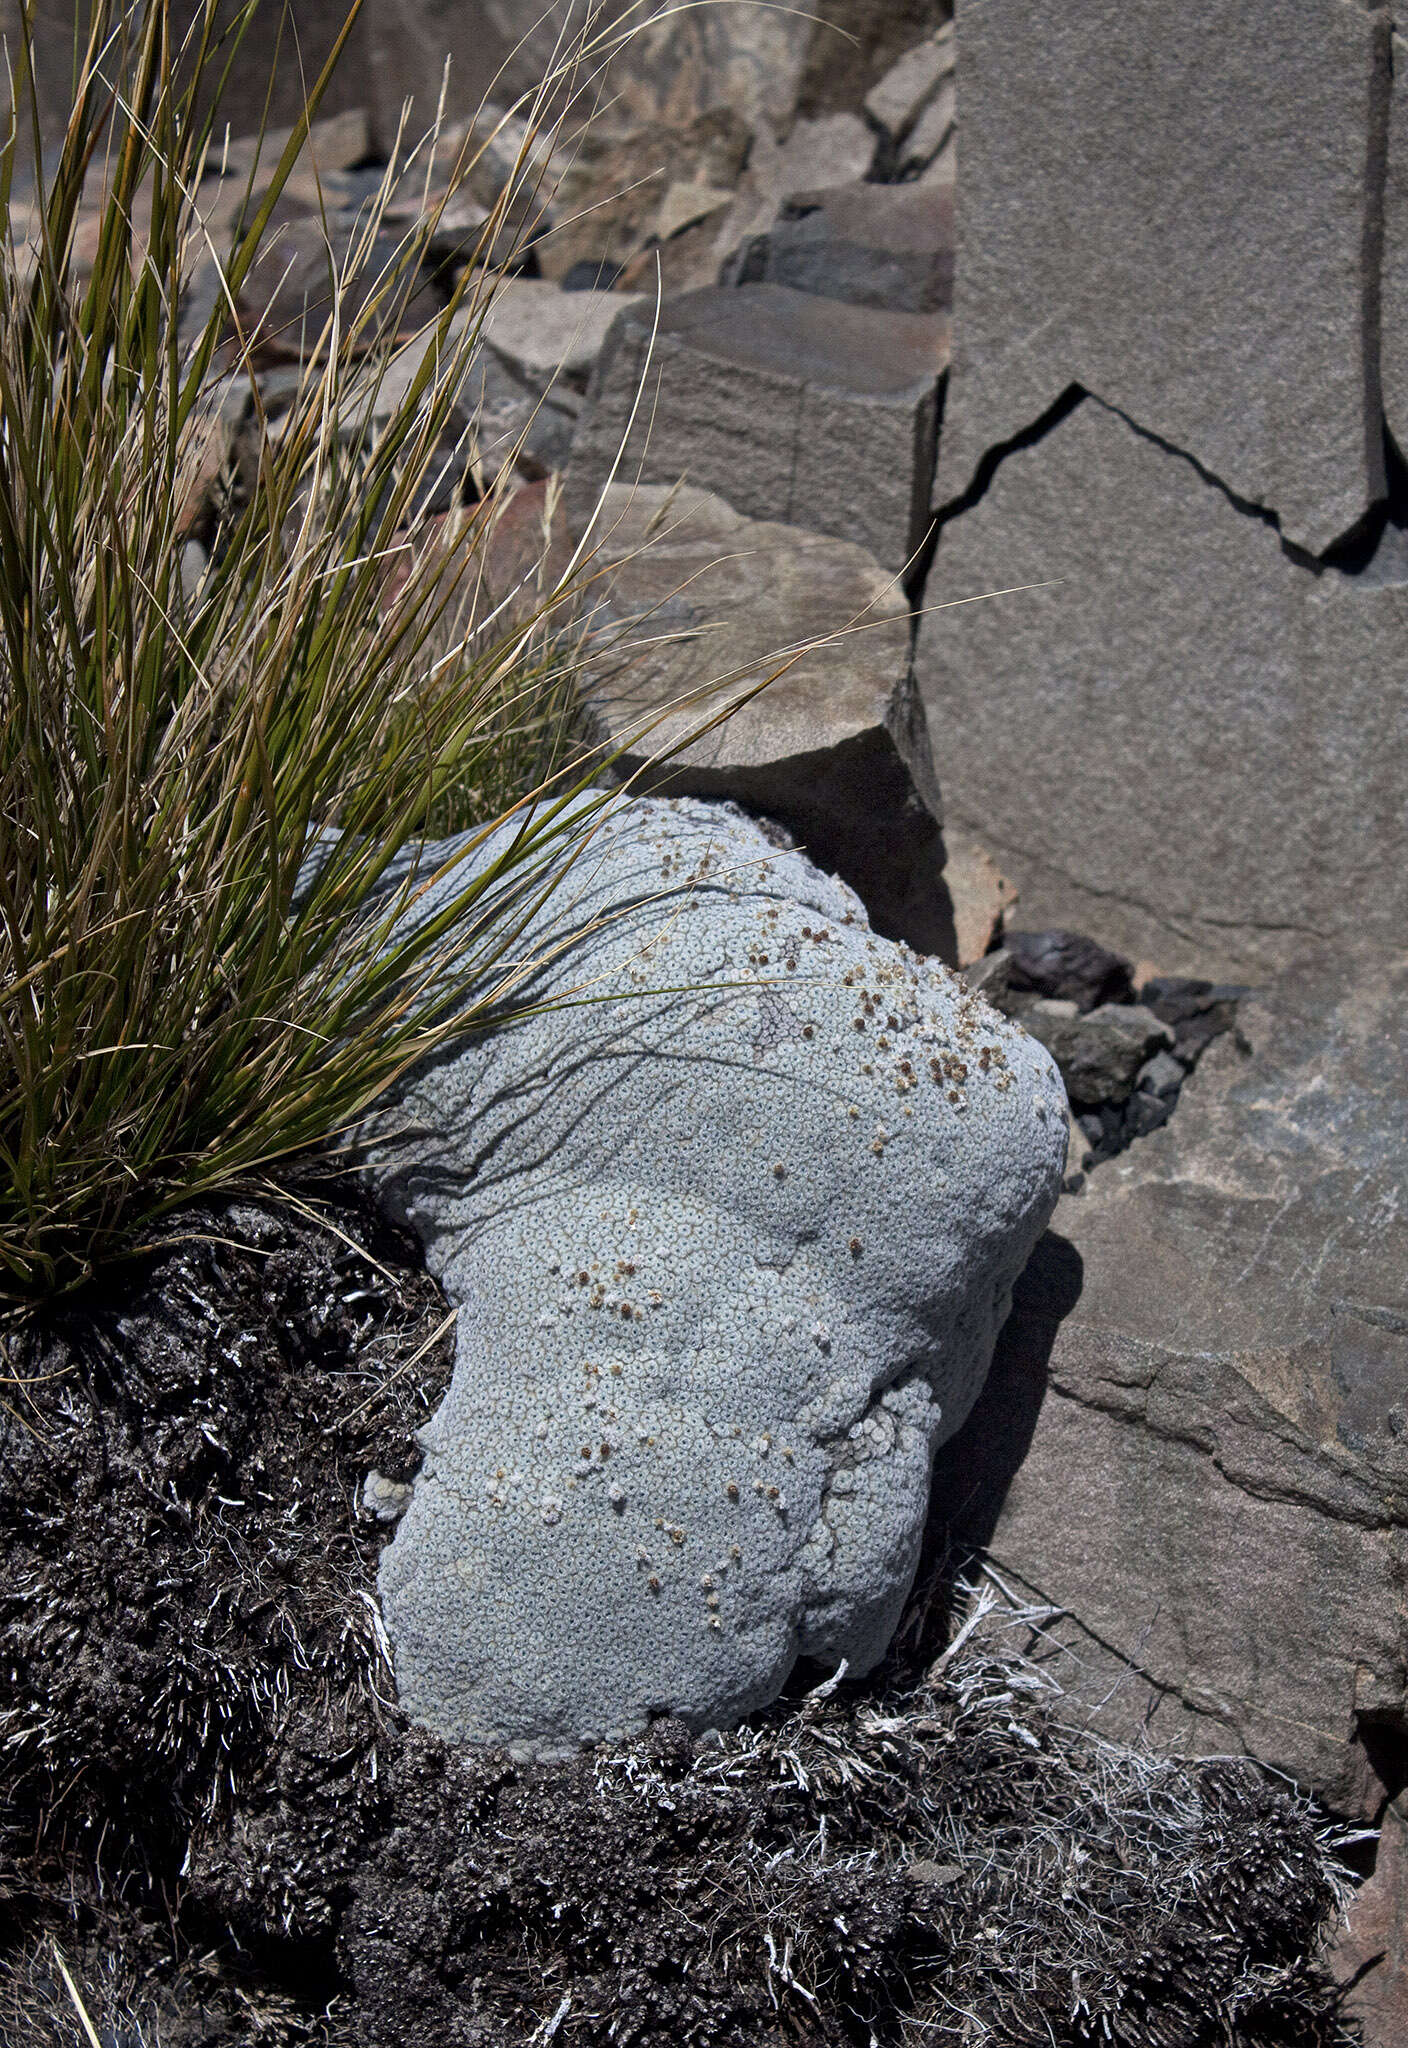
column 731, row 1240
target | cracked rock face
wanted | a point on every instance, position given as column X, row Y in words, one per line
column 1185, row 741
column 731, row 1245
column 1222, row 185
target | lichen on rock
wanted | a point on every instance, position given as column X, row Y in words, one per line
column 731, row 1241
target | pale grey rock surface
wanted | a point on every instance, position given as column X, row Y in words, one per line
column 776, row 400
column 549, row 338
column 836, row 747
column 1195, row 1433
column 1179, row 216
column 731, row 1244
column 1185, row 742
column 835, row 150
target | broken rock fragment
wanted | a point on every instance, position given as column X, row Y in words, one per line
column 911, row 84
column 1067, row 966
column 730, row 1244
column 836, row 747
column 889, row 246
column 547, row 337
column 1098, row 1053
column 773, row 398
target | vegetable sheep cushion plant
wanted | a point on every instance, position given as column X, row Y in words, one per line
column 731, row 1238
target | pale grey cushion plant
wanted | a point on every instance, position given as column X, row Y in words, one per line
column 731, row 1240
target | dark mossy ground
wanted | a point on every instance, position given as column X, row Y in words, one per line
column 216, row 1817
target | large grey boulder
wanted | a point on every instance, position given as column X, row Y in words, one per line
column 1180, row 215
column 698, row 598
column 1185, row 741
column 792, row 407
column 730, row 1243
column 1195, row 1433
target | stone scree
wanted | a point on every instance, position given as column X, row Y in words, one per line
column 1188, row 741
column 729, row 1264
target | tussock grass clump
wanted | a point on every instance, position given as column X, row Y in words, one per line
column 178, row 728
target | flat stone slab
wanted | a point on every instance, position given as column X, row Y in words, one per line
column 1195, row 1433
column 1184, row 741
column 1180, row 218
column 730, row 1244
column 836, row 747
column 549, row 338
column 780, row 402
column 889, row 246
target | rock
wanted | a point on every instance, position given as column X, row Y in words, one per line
column 1193, row 1434
column 1099, row 1053
column 1145, row 1110
column 1162, row 1075
column 1199, row 1011
column 496, row 419
column 1393, row 340
column 1077, row 1154
column 889, row 246
column 747, row 58
column 686, row 204
column 547, row 337
column 1370, row 1956
column 815, row 155
column 590, row 277
column 836, row 747
column 335, row 143
column 1187, row 231
column 770, row 397
column 513, row 424
column 287, row 296
column 930, row 152
column 217, row 449
column 498, row 47
column 1125, row 739
column 983, row 898
column 711, row 1322
column 510, row 556
column 912, row 81
column 609, row 188
column 1068, row 966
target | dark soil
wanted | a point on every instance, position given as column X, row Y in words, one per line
column 217, row 1821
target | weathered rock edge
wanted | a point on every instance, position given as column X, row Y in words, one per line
column 731, row 1244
